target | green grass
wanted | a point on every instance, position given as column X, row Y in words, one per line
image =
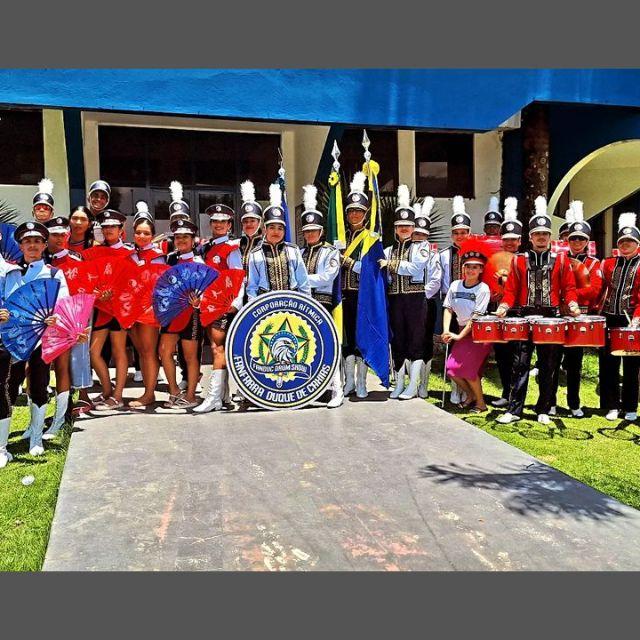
column 600, row 453
column 26, row 512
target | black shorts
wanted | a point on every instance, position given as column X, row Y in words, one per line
column 193, row 330
column 112, row 325
column 223, row 322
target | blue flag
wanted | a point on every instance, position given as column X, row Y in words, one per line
column 372, row 323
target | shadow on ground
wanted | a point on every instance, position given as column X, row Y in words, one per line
column 536, row 489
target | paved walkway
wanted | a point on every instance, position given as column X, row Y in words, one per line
column 374, row 485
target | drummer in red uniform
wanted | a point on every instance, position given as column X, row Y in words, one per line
column 539, row 282
column 220, row 253
column 579, row 234
column 510, row 233
column 621, row 306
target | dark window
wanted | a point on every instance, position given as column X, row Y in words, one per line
column 21, row 147
column 444, row 164
column 384, row 150
column 140, row 162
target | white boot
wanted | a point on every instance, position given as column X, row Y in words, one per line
column 27, row 432
column 399, row 388
column 414, row 379
column 213, row 399
column 5, row 456
column 456, row 396
column 423, row 389
column 36, row 448
column 62, row 402
column 349, row 375
column 337, row 395
column 361, row 378
column 226, row 391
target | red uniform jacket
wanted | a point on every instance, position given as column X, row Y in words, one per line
column 150, row 255
column 216, row 255
column 590, row 295
column 563, row 284
column 621, row 290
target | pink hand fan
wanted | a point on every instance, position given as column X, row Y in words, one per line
column 73, row 314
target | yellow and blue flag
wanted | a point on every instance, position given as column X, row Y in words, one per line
column 372, row 324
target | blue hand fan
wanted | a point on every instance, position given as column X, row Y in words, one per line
column 29, row 306
column 174, row 286
column 9, row 248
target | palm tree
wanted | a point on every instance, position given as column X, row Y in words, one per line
column 8, row 213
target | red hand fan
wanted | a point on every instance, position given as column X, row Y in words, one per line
column 132, row 300
column 73, row 318
column 218, row 297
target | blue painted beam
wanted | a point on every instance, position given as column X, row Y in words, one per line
column 457, row 99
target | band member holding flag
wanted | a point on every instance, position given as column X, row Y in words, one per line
column 322, row 261
column 405, row 262
column 356, row 211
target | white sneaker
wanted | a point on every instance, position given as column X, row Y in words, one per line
column 552, row 411
column 499, row 403
column 612, row 415
column 543, row 418
column 507, row 418
column 137, row 376
column 631, row 416
column 577, row 413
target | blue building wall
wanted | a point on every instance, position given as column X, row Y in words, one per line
column 457, row 99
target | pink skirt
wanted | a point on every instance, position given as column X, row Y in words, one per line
column 466, row 358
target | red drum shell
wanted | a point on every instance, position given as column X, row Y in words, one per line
column 624, row 341
column 586, row 331
column 487, row 329
column 515, row 329
column 549, row 331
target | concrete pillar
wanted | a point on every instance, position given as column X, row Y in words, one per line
column 288, row 148
column 407, row 159
column 55, row 157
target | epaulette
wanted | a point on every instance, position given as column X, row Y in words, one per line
column 291, row 244
column 75, row 255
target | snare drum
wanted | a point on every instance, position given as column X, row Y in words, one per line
column 624, row 341
column 586, row 331
column 515, row 329
column 487, row 329
column 549, row 331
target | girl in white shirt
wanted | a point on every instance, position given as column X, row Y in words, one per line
column 467, row 299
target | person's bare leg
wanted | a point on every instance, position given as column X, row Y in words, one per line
column 464, row 385
column 119, row 349
column 476, row 388
column 217, row 337
column 190, row 350
column 145, row 340
column 167, row 349
column 98, row 338
column 62, row 370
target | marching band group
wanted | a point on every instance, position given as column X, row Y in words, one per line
column 539, row 288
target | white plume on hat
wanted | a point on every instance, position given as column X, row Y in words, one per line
column 494, row 204
column 404, row 197
column 248, row 191
column 626, row 220
column 275, row 195
column 577, row 207
column 176, row 191
column 45, row 186
column 541, row 206
column 511, row 209
column 570, row 215
column 310, row 197
column 358, row 181
column 417, row 208
column 427, row 206
column 458, row 205
column 142, row 207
